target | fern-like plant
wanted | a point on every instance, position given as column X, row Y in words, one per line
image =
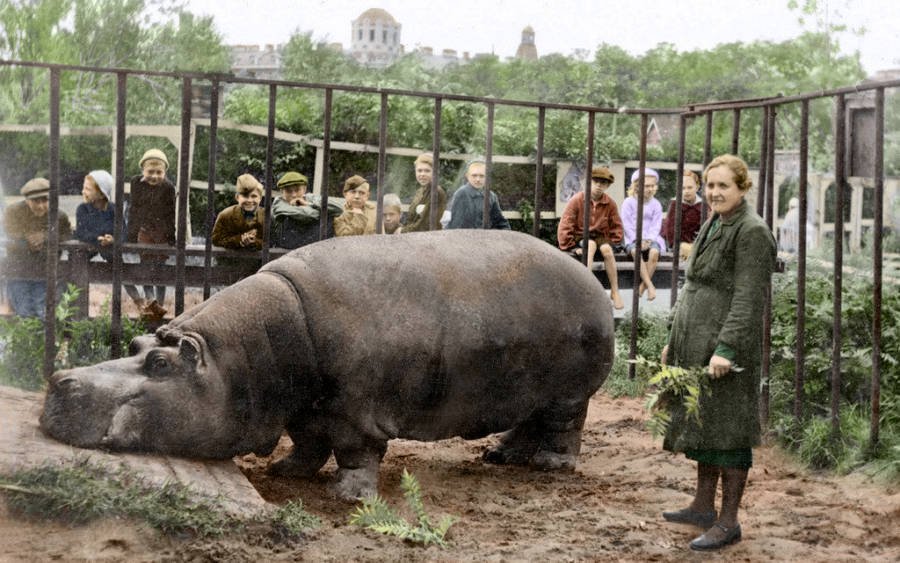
column 673, row 383
column 376, row 515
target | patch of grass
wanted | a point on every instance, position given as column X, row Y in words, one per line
column 376, row 515
column 82, row 491
column 652, row 334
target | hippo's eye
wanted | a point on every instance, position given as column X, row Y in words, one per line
column 156, row 364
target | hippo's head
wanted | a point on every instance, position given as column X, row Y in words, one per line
column 168, row 396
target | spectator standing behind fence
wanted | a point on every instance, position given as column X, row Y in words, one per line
column 652, row 243
column 359, row 214
column 419, row 214
column 151, row 220
column 95, row 218
column 296, row 213
column 27, row 234
column 605, row 231
column 242, row 225
column 390, row 216
column 717, row 323
column 691, row 215
column 467, row 204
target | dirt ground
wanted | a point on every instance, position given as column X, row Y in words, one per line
column 608, row 509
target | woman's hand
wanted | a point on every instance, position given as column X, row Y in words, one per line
column 719, row 366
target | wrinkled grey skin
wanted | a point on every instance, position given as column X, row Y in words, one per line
column 350, row 342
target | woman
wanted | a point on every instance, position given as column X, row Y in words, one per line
column 651, row 243
column 718, row 323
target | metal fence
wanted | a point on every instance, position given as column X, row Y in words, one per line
column 769, row 108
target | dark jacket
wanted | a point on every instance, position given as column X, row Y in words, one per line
column 467, row 210
column 231, row 224
column 691, row 218
column 294, row 226
column 151, row 210
column 91, row 223
column 722, row 304
column 416, row 221
column 19, row 222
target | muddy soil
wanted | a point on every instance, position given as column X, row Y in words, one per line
column 608, row 509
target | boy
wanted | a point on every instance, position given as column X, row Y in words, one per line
column 151, row 220
column 242, row 225
column 419, row 213
column 358, row 217
column 467, row 206
column 27, row 233
column 605, row 228
column 296, row 213
column 390, row 218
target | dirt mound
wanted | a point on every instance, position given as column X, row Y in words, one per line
column 608, row 509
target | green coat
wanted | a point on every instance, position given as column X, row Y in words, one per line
column 722, row 304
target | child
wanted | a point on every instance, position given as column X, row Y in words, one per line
column 151, row 220
column 27, row 229
column 242, row 225
column 691, row 215
column 605, row 229
column 652, row 242
column 390, row 218
column 419, row 213
column 95, row 218
column 295, row 213
column 358, row 217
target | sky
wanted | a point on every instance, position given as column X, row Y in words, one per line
column 563, row 26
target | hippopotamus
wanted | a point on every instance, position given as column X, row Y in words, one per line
column 352, row 341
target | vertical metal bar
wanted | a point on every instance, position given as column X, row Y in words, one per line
column 839, row 173
column 765, row 366
column 800, row 346
column 488, row 165
column 326, row 163
column 184, row 186
column 679, row 209
column 539, row 173
column 382, row 145
column 435, row 168
column 589, row 165
column 736, row 132
column 877, row 256
column 52, row 264
column 211, row 185
column 638, row 238
column 269, row 172
column 115, row 329
column 763, row 159
column 707, row 156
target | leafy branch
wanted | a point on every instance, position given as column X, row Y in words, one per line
column 376, row 515
column 672, row 383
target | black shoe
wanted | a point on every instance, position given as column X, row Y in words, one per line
column 717, row 537
column 687, row 516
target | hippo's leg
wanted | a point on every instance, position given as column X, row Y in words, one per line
column 357, row 474
column 309, row 453
column 516, row 446
column 560, row 443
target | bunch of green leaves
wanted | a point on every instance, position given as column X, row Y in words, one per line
column 670, row 384
column 375, row 514
column 80, row 342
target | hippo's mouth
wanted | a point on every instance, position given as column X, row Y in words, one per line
column 84, row 421
column 124, row 431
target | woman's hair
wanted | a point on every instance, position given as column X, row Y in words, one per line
column 737, row 166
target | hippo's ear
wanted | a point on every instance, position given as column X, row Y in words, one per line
column 191, row 351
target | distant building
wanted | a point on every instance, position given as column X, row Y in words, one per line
column 375, row 39
column 527, row 50
column 251, row 61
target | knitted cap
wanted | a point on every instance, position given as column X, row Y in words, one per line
column 36, row 188
column 647, row 172
column 354, row 182
column 392, row 201
column 292, row 179
column 154, row 154
column 105, row 182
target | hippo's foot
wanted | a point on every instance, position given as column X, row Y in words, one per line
column 300, row 462
column 551, row 461
column 506, row 456
column 516, row 447
column 355, row 484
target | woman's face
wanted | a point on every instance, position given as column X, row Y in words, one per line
column 722, row 193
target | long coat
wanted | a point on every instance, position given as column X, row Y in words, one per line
column 722, row 304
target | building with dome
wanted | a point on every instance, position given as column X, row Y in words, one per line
column 375, row 39
column 527, row 50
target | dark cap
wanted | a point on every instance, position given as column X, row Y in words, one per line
column 292, row 179
column 354, row 182
column 36, row 188
column 602, row 173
